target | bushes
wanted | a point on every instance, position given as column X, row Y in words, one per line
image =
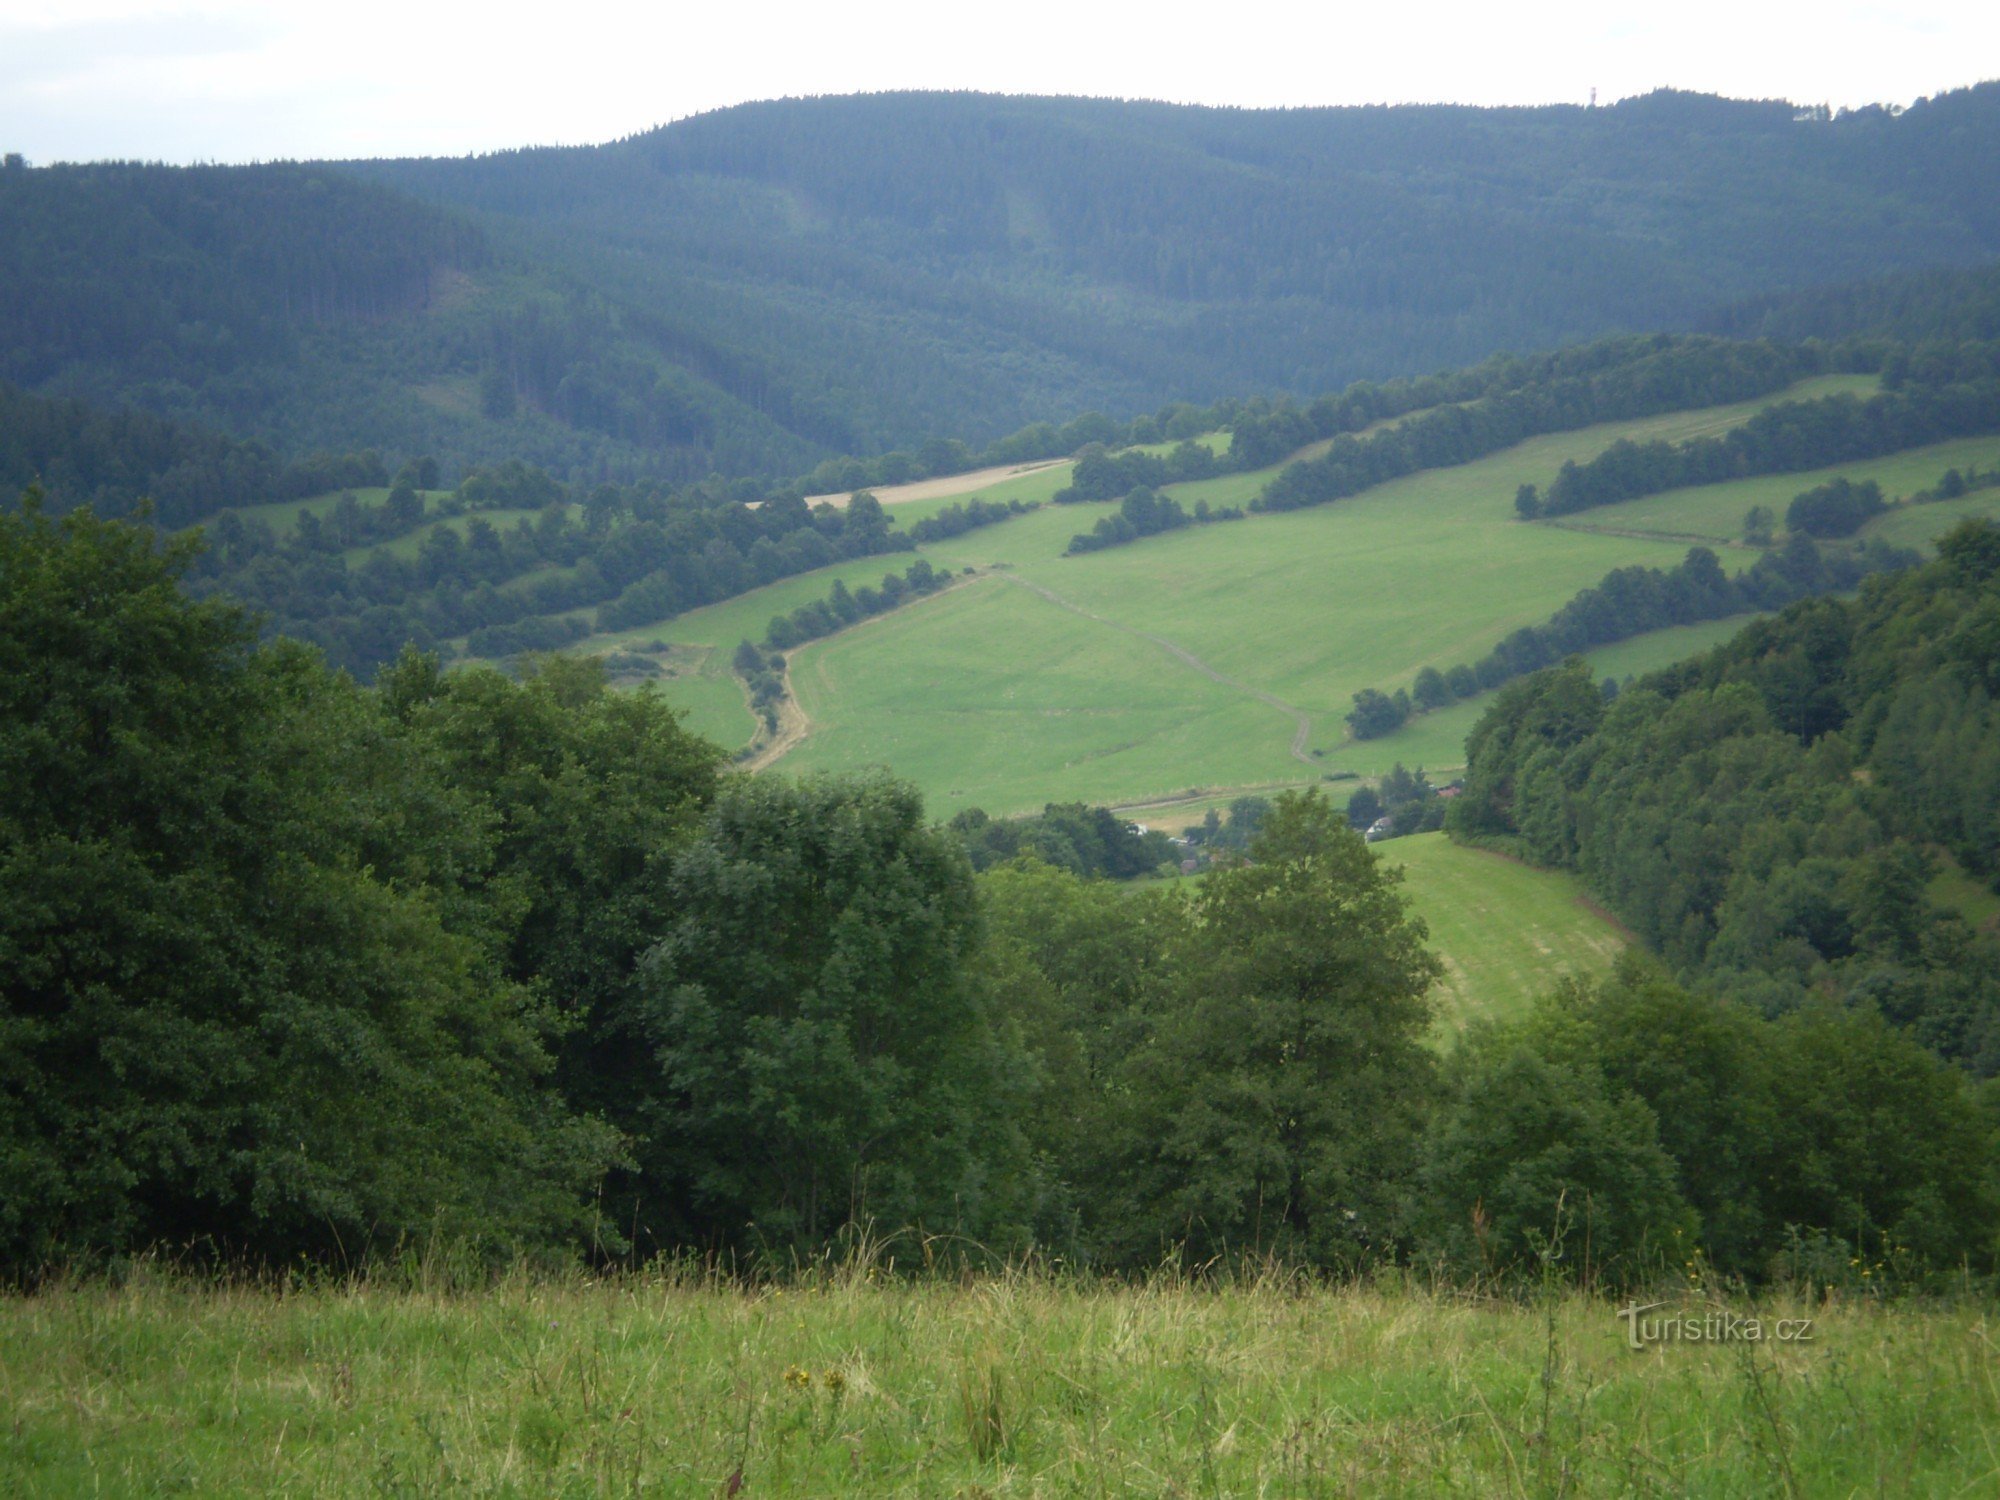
column 1834, row 509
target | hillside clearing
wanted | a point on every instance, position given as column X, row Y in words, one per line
column 1507, row 932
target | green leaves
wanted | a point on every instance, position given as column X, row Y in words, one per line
column 822, row 1058
column 248, row 998
column 1240, row 1072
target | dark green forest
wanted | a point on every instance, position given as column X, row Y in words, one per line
column 764, row 288
column 1767, row 816
column 301, row 968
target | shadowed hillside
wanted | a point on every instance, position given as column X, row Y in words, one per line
column 754, row 290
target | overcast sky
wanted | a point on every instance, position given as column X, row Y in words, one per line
column 229, row 80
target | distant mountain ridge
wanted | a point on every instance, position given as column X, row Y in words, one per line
column 752, row 290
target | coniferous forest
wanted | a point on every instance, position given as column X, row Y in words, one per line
column 761, row 289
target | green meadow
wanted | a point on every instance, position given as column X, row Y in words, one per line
column 1505, row 931
column 1955, row 887
column 1920, row 526
column 1223, row 658
column 1016, row 1384
column 1714, row 513
column 1291, row 614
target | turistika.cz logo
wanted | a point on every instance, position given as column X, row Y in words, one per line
column 1709, row 1326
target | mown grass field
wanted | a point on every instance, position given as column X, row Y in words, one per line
column 1920, row 526
column 1219, row 658
column 1304, row 608
column 1715, row 512
column 1004, row 1386
column 1505, row 931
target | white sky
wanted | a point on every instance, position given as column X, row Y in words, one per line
column 230, row 80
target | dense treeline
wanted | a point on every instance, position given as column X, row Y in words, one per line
column 1840, row 507
column 1644, row 377
column 642, row 553
column 222, row 268
column 1052, row 255
column 1093, row 842
column 113, row 460
column 1788, row 436
column 637, row 555
column 293, row 967
column 843, row 607
column 1764, row 816
column 1142, row 513
column 967, row 515
column 1630, row 601
column 1113, row 458
column 1910, row 307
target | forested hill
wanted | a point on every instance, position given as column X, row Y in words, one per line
column 1910, row 306
column 752, row 290
column 961, row 263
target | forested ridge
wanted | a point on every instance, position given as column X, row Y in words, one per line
column 759, row 289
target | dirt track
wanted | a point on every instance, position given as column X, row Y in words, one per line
column 936, row 489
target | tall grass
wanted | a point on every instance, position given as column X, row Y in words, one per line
column 841, row 1380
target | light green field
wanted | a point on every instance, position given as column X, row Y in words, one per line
column 1192, row 660
column 1714, row 513
column 712, row 705
column 1215, row 442
column 991, row 664
column 1505, row 931
column 711, row 695
column 411, row 542
column 1305, row 608
column 1920, row 526
column 1007, row 1386
column 1958, row 889
column 282, row 515
column 1028, row 488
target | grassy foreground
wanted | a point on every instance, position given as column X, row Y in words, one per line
column 996, row 1387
